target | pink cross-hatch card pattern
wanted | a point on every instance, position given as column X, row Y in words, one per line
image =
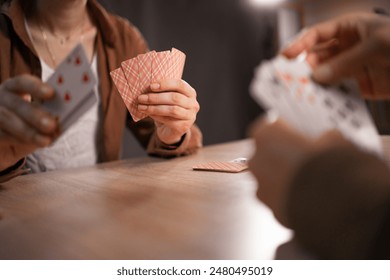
column 135, row 75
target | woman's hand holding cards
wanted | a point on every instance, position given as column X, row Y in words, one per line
column 24, row 126
column 150, row 85
column 173, row 106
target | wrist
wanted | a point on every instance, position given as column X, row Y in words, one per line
column 174, row 142
column 170, row 140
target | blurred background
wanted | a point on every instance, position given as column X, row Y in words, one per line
column 224, row 41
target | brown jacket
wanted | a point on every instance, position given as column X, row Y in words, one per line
column 117, row 40
column 339, row 205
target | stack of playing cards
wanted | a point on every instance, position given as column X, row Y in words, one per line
column 73, row 82
column 285, row 87
column 135, row 75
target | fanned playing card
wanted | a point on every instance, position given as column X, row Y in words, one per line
column 141, row 71
column 160, row 65
column 233, row 166
column 145, row 71
column 73, row 82
column 125, row 92
column 285, row 87
column 127, row 82
column 176, row 64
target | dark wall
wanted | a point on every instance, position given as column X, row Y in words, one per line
column 224, row 40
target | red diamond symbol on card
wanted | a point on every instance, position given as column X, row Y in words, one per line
column 85, row 78
column 287, row 77
column 67, row 97
column 78, row 61
column 60, row 80
column 304, row 80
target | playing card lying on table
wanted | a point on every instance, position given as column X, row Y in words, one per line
column 233, row 166
column 285, row 87
column 135, row 75
column 73, row 82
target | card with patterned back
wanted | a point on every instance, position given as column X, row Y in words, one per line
column 233, row 166
column 141, row 71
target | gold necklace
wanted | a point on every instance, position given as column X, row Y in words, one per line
column 62, row 41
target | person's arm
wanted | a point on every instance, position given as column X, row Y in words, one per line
column 338, row 205
column 335, row 197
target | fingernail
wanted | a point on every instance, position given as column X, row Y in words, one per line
column 27, row 98
column 143, row 98
column 142, row 107
column 323, row 73
column 47, row 122
column 272, row 117
column 155, row 86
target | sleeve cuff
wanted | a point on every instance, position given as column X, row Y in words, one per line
column 189, row 144
column 13, row 171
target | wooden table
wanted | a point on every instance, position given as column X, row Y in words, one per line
column 146, row 208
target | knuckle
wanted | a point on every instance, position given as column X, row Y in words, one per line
column 176, row 97
column 151, row 109
column 192, row 91
column 197, row 106
column 151, row 98
column 174, row 110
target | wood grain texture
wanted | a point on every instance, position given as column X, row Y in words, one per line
column 145, row 208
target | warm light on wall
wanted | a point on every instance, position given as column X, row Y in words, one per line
column 268, row 3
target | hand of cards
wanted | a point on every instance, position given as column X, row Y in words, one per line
column 135, row 75
column 73, row 82
column 285, row 87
